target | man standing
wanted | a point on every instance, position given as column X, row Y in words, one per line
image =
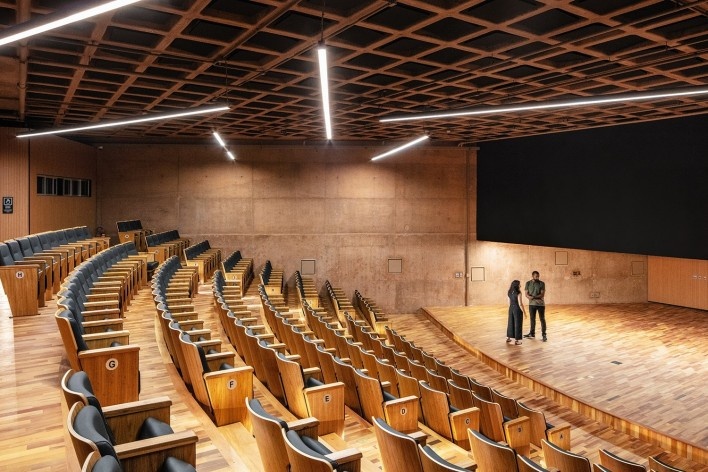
column 535, row 291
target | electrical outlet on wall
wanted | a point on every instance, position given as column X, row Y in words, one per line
column 594, row 294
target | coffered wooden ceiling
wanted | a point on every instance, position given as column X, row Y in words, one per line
column 386, row 57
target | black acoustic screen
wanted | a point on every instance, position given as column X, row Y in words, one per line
column 640, row 189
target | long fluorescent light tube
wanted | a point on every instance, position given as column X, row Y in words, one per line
column 401, row 148
column 72, row 18
column 324, row 85
column 627, row 97
column 219, row 140
column 231, row 156
column 109, row 124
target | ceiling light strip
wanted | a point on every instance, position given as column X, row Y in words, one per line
column 222, row 143
column 324, row 85
column 27, row 30
column 400, row 148
column 552, row 104
column 109, row 124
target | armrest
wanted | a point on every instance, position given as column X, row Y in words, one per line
column 125, row 419
column 419, row 437
column 104, row 340
column 348, row 459
column 518, row 434
column 215, row 360
column 100, row 326
column 305, row 426
column 149, row 454
column 560, row 436
column 462, row 420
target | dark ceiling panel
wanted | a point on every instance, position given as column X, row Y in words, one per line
column 385, row 57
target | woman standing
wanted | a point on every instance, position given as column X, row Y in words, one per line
column 517, row 313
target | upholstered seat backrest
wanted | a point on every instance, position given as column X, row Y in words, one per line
column 432, row 462
column 88, row 423
column 6, row 256
column 305, row 457
column 15, row 250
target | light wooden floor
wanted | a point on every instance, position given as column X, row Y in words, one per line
column 32, row 433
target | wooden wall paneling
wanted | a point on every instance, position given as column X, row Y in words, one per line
column 59, row 157
column 682, row 282
column 14, row 172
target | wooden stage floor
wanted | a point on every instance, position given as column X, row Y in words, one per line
column 639, row 367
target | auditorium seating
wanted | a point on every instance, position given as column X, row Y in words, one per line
column 432, row 462
column 271, row 279
column 541, row 429
column 307, row 457
column 48, row 265
column 370, row 312
column 657, row 465
column 445, row 419
column 527, row 465
column 166, row 244
column 616, row 464
column 107, row 358
column 96, row 463
column 563, row 460
column 205, row 258
column 125, row 422
column 238, row 271
column 132, row 231
column 514, row 432
column 399, row 451
column 218, row 386
column 306, row 396
column 24, row 283
column 400, row 413
column 267, row 429
column 491, row 456
column 88, row 435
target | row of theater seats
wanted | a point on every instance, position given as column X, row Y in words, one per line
column 286, row 445
column 364, row 394
column 272, row 279
column 33, row 267
column 322, row 367
column 205, row 258
column 208, row 372
column 369, row 311
column 166, row 244
column 90, row 311
column 132, row 231
column 238, row 271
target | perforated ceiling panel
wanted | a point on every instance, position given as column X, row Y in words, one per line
column 386, row 58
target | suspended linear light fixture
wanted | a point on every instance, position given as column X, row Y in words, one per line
column 324, row 85
column 110, row 124
column 401, row 148
column 57, row 20
column 222, row 143
column 572, row 103
column 324, row 81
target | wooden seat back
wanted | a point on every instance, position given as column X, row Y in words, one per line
column 324, row 402
column 432, row 462
column 657, row 465
column 399, row 452
column 563, row 460
column 491, row 456
column 618, row 464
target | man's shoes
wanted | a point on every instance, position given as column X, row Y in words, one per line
column 530, row 335
column 545, row 339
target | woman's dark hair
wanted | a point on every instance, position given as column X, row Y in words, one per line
column 514, row 288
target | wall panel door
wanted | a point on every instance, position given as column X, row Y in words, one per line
column 14, row 182
column 682, row 282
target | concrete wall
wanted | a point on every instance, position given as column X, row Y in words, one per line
column 333, row 205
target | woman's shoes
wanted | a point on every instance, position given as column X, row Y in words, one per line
column 508, row 340
column 517, row 343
